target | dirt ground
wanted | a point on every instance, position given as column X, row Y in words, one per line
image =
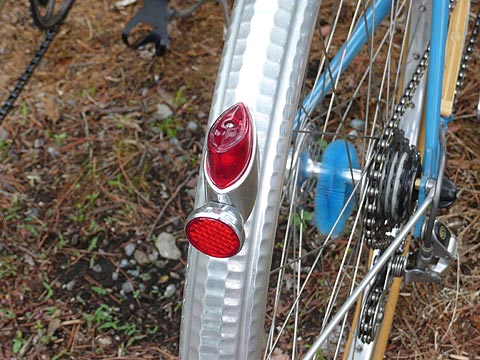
column 99, row 158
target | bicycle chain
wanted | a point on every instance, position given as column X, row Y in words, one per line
column 20, row 84
column 379, row 213
column 380, row 217
column 27, row 73
column 467, row 55
column 375, row 299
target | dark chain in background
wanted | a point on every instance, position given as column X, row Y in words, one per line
column 50, row 34
column 27, row 73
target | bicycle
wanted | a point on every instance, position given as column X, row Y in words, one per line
column 278, row 134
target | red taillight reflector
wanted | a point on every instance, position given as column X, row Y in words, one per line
column 230, row 144
column 212, row 237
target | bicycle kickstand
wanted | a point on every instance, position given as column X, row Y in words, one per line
column 157, row 14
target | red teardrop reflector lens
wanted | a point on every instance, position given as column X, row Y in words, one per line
column 229, row 146
column 212, row 237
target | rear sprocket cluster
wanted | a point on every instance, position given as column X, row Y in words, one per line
column 393, row 198
column 391, row 176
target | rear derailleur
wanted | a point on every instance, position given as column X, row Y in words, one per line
column 434, row 266
column 439, row 245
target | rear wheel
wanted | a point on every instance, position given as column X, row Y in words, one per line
column 312, row 233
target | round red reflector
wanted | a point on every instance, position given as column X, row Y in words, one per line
column 229, row 146
column 212, row 237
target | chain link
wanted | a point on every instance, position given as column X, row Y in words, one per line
column 27, row 73
column 375, row 299
column 375, row 230
column 20, row 84
column 467, row 55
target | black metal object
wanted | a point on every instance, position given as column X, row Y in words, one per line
column 27, row 73
column 448, row 193
column 51, row 31
column 155, row 13
column 44, row 14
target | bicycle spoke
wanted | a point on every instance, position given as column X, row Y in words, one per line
column 330, row 121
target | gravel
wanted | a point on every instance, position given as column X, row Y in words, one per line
column 141, row 257
column 127, row 287
column 130, row 249
column 170, row 290
column 167, row 247
column 97, row 268
column 123, row 263
column 163, row 111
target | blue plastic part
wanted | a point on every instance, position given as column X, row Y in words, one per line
column 334, row 189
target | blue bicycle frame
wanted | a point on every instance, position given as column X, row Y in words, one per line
column 373, row 17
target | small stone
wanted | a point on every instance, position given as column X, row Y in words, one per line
column 153, row 256
column 123, row 263
column 104, row 341
column 169, row 291
column 129, row 249
column 52, row 151
column 174, row 275
column 38, row 143
column 141, row 257
column 97, row 268
column 163, row 111
column 133, row 272
column 167, row 247
column 146, row 277
column 353, row 133
column 70, row 285
column 160, row 264
column 141, row 287
column 127, row 287
column 174, row 141
column 358, row 124
column 192, row 126
column 115, row 276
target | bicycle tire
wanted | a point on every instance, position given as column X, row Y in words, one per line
column 45, row 21
column 263, row 65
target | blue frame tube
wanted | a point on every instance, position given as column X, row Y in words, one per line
column 431, row 154
column 434, row 87
column 373, row 17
